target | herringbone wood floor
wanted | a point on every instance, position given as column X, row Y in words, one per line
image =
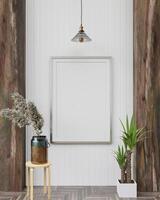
column 72, row 193
column 83, row 193
column 12, row 195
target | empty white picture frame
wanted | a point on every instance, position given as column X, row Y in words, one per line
column 80, row 100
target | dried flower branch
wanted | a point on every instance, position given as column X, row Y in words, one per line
column 23, row 114
column 35, row 118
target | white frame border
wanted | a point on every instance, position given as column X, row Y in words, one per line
column 51, row 99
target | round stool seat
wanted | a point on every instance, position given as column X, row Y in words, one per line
column 32, row 165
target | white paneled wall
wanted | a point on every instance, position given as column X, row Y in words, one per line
column 50, row 26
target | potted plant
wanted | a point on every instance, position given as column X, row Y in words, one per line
column 126, row 186
column 25, row 113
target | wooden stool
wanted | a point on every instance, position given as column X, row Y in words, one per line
column 29, row 178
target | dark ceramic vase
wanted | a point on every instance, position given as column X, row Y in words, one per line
column 39, row 149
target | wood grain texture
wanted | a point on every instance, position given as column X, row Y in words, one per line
column 12, row 78
column 147, row 91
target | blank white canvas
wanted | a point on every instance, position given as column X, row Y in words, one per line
column 80, row 99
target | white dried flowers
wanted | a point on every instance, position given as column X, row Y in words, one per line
column 23, row 114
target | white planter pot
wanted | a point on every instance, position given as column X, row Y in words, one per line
column 127, row 190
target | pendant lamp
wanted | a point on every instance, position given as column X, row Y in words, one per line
column 81, row 36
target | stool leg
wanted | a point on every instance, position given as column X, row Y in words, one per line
column 29, row 186
column 45, row 180
column 31, row 183
column 27, row 180
column 49, row 182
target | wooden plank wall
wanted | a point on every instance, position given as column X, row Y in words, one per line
column 12, row 78
column 147, row 91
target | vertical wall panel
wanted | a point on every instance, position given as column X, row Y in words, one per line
column 12, row 78
column 50, row 26
column 147, row 91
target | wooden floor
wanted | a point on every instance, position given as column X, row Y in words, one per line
column 73, row 193
column 12, row 195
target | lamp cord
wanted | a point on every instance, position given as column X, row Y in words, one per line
column 81, row 12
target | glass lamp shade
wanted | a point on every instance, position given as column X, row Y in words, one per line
column 81, row 36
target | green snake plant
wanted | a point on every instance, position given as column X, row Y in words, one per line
column 130, row 137
column 121, row 160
